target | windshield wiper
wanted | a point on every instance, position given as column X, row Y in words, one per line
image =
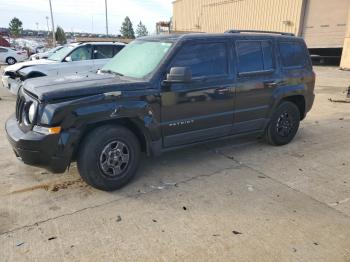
column 111, row 72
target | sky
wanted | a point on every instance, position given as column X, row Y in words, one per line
column 85, row 15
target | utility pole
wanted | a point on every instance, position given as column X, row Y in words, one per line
column 106, row 17
column 53, row 26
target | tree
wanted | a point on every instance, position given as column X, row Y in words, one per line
column 15, row 27
column 141, row 30
column 127, row 30
column 60, row 36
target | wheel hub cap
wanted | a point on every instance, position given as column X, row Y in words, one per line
column 114, row 158
column 284, row 125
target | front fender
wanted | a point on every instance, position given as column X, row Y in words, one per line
column 83, row 113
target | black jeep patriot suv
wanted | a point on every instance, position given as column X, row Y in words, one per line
column 161, row 93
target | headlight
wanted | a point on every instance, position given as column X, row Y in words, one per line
column 31, row 113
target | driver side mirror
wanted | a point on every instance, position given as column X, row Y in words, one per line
column 68, row 59
column 179, row 75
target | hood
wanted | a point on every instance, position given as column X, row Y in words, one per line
column 18, row 66
column 79, row 85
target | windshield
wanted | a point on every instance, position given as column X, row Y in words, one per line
column 62, row 53
column 138, row 59
column 54, row 50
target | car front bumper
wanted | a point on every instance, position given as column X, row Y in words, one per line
column 11, row 84
column 36, row 149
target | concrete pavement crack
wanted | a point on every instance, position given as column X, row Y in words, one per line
column 217, row 151
column 113, row 201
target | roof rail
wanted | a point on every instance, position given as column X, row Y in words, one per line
column 258, row 31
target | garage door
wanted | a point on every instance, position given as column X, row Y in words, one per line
column 325, row 23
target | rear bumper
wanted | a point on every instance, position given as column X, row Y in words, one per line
column 309, row 103
column 37, row 149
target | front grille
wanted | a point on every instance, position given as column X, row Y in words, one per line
column 20, row 106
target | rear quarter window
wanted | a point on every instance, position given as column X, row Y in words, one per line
column 293, row 54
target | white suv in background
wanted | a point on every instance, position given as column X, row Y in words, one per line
column 46, row 54
column 11, row 56
column 71, row 59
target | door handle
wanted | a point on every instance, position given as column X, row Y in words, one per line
column 222, row 90
column 270, row 84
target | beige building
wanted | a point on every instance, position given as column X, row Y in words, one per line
column 323, row 23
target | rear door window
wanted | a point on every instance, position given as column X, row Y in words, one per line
column 104, row 51
column 292, row 54
column 254, row 56
column 204, row 59
column 118, row 48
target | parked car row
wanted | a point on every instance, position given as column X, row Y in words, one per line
column 71, row 59
column 159, row 93
column 11, row 56
column 45, row 54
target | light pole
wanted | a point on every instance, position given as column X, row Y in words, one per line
column 92, row 24
column 106, row 17
column 53, row 26
column 47, row 23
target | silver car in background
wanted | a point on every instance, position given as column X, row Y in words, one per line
column 74, row 58
column 46, row 54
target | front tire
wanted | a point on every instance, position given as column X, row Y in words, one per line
column 109, row 157
column 11, row 61
column 284, row 124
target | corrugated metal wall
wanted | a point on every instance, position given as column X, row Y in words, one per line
column 325, row 23
column 345, row 61
column 221, row 15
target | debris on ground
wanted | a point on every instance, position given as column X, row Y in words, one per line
column 184, row 208
column 119, row 218
column 154, row 220
column 158, row 187
column 316, row 244
column 32, row 188
column 236, row 232
column 346, row 100
column 250, row 188
column 164, row 185
column 52, row 238
column 65, row 185
column 20, row 244
column 340, row 202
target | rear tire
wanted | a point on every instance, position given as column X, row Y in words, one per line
column 284, row 124
column 109, row 157
column 11, row 61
